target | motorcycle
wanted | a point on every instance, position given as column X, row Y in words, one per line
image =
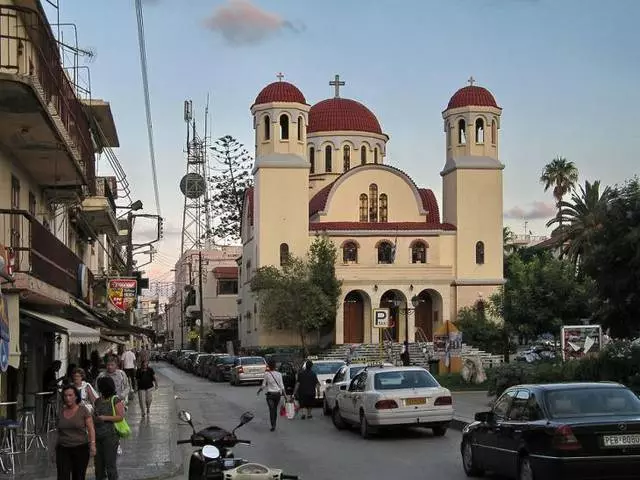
column 214, row 459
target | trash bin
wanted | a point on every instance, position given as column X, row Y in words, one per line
column 434, row 366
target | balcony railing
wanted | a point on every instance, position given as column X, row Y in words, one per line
column 28, row 48
column 38, row 252
column 103, row 189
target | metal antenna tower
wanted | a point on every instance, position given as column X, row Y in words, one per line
column 195, row 215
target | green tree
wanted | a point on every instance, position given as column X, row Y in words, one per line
column 231, row 177
column 484, row 333
column 561, row 175
column 508, row 240
column 322, row 270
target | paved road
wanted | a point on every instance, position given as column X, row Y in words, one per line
column 314, row 448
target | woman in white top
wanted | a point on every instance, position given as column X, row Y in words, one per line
column 88, row 395
column 273, row 384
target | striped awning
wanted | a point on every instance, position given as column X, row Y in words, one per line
column 78, row 334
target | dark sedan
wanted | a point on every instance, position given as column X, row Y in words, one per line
column 558, row 431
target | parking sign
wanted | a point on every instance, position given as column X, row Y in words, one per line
column 380, row 318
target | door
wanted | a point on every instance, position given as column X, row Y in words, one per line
column 487, row 437
column 353, row 318
column 353, row 397
column 424, row 315
column 510, row 435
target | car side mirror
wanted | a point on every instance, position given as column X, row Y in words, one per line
column 484, row 417
column 343, row 387
column 328, row 381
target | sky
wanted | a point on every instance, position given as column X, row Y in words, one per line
column 565, row 73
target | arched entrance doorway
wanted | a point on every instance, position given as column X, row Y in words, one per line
column 427, row 313
column 395, row 302
column 353, row 318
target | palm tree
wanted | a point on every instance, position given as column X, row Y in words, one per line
column 508, row 239
column 562, row 175
column 582, row 217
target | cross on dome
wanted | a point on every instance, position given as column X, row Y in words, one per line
column 471, row 80
column 280, row 76
column 336, row 83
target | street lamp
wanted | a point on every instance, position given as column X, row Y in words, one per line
column 415, row 302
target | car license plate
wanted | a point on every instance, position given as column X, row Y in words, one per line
column 415, row 401
column 630, row 440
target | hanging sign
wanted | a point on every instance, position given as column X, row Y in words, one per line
column 4, row 334
column 122, row 293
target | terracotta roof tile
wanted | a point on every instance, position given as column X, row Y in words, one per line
column 336, row 114
column 379, row 226
column 280, row 92
column 472, row 95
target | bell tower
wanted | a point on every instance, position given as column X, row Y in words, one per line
column 472, row 191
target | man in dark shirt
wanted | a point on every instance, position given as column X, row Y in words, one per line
column 146, row 381
column 307, row 388
column 50, row 378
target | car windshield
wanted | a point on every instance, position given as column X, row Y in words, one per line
column 225, row 360
column 592, row 401
column 353, row 371
column 326, row 368
column 252, row 361
column 406, row 379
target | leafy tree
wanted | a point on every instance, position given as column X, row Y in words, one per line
column 231, row 177
column 322, row 270
column 484, row 333
column 561, row 175
column 289, row 298
column 508, row 240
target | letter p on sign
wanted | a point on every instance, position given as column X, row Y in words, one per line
column 381, row 318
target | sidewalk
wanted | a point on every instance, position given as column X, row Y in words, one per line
column 466, row 405
column 150, row 453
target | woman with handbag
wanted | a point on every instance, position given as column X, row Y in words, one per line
column 87, row 392
column 272, row 382
column 108, row 411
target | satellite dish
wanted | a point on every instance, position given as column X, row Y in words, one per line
column 193, row 185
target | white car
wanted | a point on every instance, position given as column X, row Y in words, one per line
column 341, row 381
column 391, row 397
column 325, row 370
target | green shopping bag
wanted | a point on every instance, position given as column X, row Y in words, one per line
column 122, row 427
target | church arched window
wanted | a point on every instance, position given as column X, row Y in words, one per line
column 363, row 155
column 346, row 157
column 375, row 155
column 384, row 208
column 494, row 132
column 300, row 125
column 448, row 132
column 350, row 252
column 284, row 253
column 385, row 252
column 480, row 253
column 479, row 130
column 267, row 127
column 462, row 133
column 418, row 252
column 327, row 159
column 284, row 127
column 312, row 160
column 364, row 207
column 373, row 202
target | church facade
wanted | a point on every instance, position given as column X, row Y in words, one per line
column 321, row 170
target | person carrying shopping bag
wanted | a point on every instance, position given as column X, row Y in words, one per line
column 272, row 382
column 108, row 411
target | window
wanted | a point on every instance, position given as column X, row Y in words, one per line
column 227, row 287
column 350, row 252
column 448, row 132
column 385, row 252
column 524, row 408
column 373, row 202
column 603, row 401
column 284, row 127
column 479, row 130
column 384, row 208
column 327, row 158
column 462, row 134
column 32, row 204
column 480, row 253
column 346, row 157
column 364, row 207
column 375, row 155
column 15, row 219
column 284, row 253
column 300, row 125
column 409, row 379
column 494, row 132
column 363, row 155
column 267, row 127
column 501, row 407
column 419, row 252
column 312, row 159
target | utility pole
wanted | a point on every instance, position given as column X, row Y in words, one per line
column 201, row 349
column 129, row 244
column 181, row 321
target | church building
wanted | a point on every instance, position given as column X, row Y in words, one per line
column 321, row 169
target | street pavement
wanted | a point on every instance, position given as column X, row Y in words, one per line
column 314, row 448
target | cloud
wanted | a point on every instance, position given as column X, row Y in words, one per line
column 241, row 23
column 534, row 211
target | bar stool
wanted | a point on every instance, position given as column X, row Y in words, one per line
column 8, row 445
column 50, row 420
column 28, row 426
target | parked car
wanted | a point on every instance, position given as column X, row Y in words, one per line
column 199, row 362
column 563, row 430
column 247, row 369
column 182, row 358
column 381, row 397
column 340, row 381
column 220, row 368
column 325, row 370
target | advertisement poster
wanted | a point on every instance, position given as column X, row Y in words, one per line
column 122, row 293
column 4, row 335
column 580, row 340
column 447, row 341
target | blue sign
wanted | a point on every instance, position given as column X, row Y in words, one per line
column 4, row 355
column 4, row 319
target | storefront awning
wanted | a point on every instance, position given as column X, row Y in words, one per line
column 77, row 333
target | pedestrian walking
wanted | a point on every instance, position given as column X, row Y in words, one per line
column 109, row 409
column 119, row 379
column 273, row 383
column 404, row 355
column 88, row 394
column 128, row 360
column 307, row 389
column 76, row 437
column 146, row 380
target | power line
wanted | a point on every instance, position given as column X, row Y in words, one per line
column 147, row 101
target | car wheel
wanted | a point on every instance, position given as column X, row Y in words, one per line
column 365, row 430
column 338, row 421
column 325, row 406
column 439, row 431
column 469, row 460
column 525, row 470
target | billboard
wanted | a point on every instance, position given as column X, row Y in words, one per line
column 121, row 294
column 580, row 340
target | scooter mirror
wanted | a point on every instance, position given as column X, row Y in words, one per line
column 245, row 418
column 184, row 416
column 210, row 452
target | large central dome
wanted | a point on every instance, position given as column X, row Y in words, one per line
column 336, row 114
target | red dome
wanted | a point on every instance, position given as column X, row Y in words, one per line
column 280, row 92
column 472, row 96
column 336, row 114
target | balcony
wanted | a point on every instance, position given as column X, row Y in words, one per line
column 42, row 122
column 43, row 267
column 99, row 210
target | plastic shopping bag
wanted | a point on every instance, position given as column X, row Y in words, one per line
column 290, row 409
